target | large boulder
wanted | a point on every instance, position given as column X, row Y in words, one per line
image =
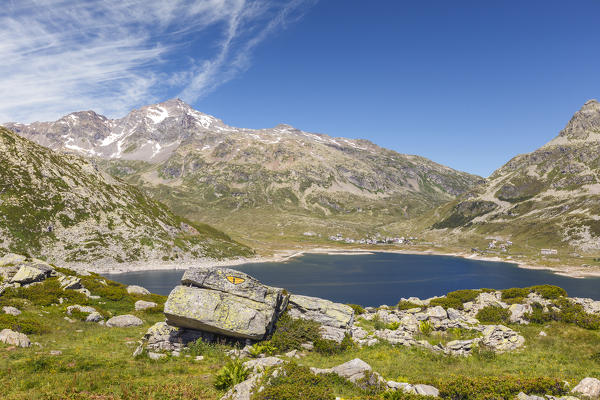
column 225, row 302
column 589, row 387
column 14, row 338
column 134, row 289
column 323, row 311
column 34, row 272
column 144, row 305
column 219, row 312
column 352, row 370
column 499, row 338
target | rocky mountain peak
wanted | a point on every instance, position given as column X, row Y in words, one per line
column 584, row 122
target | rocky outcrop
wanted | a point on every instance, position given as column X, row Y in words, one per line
column 14, row 338
column 225, row 302
column 11, row 310
column 335, row 318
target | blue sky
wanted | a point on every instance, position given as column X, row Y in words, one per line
column 468, row 84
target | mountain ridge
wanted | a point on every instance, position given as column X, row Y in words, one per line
column 214, row 173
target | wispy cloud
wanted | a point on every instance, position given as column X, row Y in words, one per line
column 60, row 56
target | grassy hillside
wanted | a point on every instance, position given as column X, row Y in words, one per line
column 64, row 208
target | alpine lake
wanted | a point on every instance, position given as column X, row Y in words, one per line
column 379, row 278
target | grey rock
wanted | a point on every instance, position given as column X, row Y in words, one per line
column 32, row 273
column 322, row 311
column 589, row 387
column 352, row 370
column 55, row 352
column 427, row 390
column 134, row 289
column 517, row 311
column 69, row 282
column 500, row 338
column 523, row 396
column 156, row 356
column 237, row 283
column 123, row 321
column 143, row 305
column 454, row 314
column 219, row 312
column 259, row 364
column 14, row 338
column 11, row 310
column 94, row 317
column 437, row 313
column 83, row 309
column 331, row 333
column 243, row 390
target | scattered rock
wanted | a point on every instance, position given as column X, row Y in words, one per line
column 588, row 387
column 322, row 311
column 500, row 338
column 122, row 321
column 156, row 356
column 162, row 337
column 426, row 390
column 55, row 352
column 199, row 358
column 243, row 390
column 14, row 338
column 32, row 273
column 542, row 333
column 11, row 310
column 143, row 305
column 69, row 282
column 134, row 289
column 517, row 312
column 82, row 309
column 259, row 364
column 94, row 317
column 352, row 370
column 437, row 312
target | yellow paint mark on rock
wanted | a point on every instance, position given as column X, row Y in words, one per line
column 235, row 280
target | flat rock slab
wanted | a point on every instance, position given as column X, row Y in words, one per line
column 123, row 321
column 31, row 273
column 235, row 282
column 352, row 370
column 323, row 311
column 219, row 312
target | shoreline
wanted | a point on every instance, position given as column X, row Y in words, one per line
column 286, row 255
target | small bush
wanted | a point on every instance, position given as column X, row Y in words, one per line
column 290, row 333
column 358, row 310
column 402, row 395
column 21, row 324
column 464, row 295
column 378, row 324
column 113, row 291
column 447, row 302
column 514, row 293
column 231, row 374
column 263, row 348
column 331, row 347
column 46, row 293
column 480, row 388
column 425, row 328
column 393, row 325
column 493, row 315
column 537, row 314
column 595, row 357
column 407, row 305
column 209, row 350
column 549, row 291
column 296, row 382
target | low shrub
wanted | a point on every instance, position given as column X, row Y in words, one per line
column 113, row 291
column 231, row 374
column 402, row 395
column 296, row 382
column 447, row 302
column 537, row 314
column 358, row 310
column 21, row 324
column 549, row 291
column 331, row 347
column 595, row 357
column 393, row 325
column 507, row 387
column 407, row 305
column 493, row 315
column 290, row 333
column 425, row 328
column 513, row 293
column 464, row 295
column 208, row 350
column 378, row 324
column 46, row 293
column 265, row 347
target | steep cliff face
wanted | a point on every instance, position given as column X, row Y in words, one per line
column 549, row 196
column 209, row 171
column 63, row 208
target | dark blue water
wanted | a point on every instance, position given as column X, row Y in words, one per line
column 381, row 278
